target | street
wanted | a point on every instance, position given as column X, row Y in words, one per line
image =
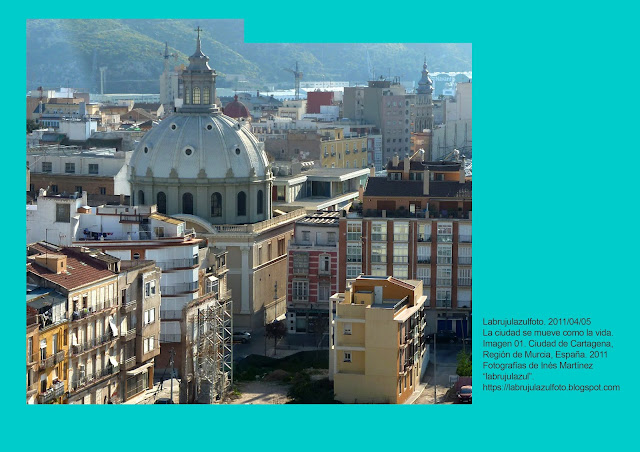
column 445, row 365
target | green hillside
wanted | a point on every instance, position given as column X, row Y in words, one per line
column 71, row 52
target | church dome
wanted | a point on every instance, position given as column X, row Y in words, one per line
column 201, row 162
column 208, row 145
column 236, row 109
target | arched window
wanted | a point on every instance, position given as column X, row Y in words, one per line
column 187, row 203
column 196, row 95
column 140, row 198
column 161, row 201
column 187, row 94
column 205, row 95
column 216, row 205
column 242, row 204
column 260, row 202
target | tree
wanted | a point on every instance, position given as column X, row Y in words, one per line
column 276, row 330
column 464, row 364
column 31, row 125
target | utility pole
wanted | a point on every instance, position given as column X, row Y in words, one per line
column 171, row 362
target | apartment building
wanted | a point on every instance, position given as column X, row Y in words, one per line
column 95, row 317
column 415, row 223
column 313, row 272
column 377, row 349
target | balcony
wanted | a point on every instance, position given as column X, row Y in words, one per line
column 55, row 391
column 91, row 311
column 424, row 237
column 177, row 263
column 59, row 357
column 322, row 272
column 84, row 380
column 445, row 260
column 91, row 344
column 179, row 288
column 424, row 259
column 445, row 238
column 49, row 361
column 464, row 260
column 128, row 306
column 464, row 238
column 464, row 282
column 443, row 282
column 443, row 303
column 129, row 335
column 130, row 363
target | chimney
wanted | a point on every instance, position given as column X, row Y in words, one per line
column 425, row 182
column 462, row 175
column 372, row 171
column 57, row 263
column 122, row 199
column 396, row 160
column 407, row 167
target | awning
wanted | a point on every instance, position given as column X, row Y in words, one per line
column 139, row 370
column 114, row 328
column 113, row 361
column 74, row 339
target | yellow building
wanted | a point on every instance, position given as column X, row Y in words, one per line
column 378, row 345
column 338, row 151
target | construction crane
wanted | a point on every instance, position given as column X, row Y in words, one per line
column 168, row 55
column 298, row 76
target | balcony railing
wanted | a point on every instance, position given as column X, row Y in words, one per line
column 91, row 344
column 378, row 259
column 177, row 263
column 90, row 311
column 464, row 281
column 179, row 288
column 80, row 382
column 445, row 238
column 129, row 335
column 443, row 281
column 424, row 237
column 170, row 314
column 323, row 272
column 424, row 259
column 49, row 361
column 464, row 260
column 59, row 357
column 53, row 392
column 443, row 303
column 130, row 362
column 445, row 260
column 354, row 258
column 464, row 238
column 128, row 306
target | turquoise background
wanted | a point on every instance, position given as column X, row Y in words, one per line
column 555, row 210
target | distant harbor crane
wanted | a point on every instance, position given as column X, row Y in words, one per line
column 298, row 76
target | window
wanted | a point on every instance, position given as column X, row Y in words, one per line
column 354, row 252
column 347, row 357
column 212, row 285
column 424, row 254
column 93, row 168
column 331, row 237
column 149, row 316
column 444, row 276
column 424, row 274
column 63, row 213
column 379, row 231
column 445, row 232
column 187, row 204
column 150, row 288
column 300, row 263
column 306, row 236
column 260, row 201
column 353, row 271
column 401, row 253
column 347, row 329
column 54, row 188
column 78, row 189
column 464, row 255
column 300, row 290
column 281, row 248
column 206, row 97
column 443, row 298
column 216, row 205
column 102, row 190
column 324, row 264
column 444, row 254
column 149, row 344
column 69, row 167
column 400, row 231
column 354, row 231
column 158, row 231
column 324, row 289
column 242, row 204
column 140, row 197
column 378, row 253
column 47, row 167
column 196, row 95
column 464, row 276
column 161, row 201
column 400, row 271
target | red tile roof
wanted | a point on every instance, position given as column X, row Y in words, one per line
column 80, row 272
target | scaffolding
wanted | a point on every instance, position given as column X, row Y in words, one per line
column 212, row 363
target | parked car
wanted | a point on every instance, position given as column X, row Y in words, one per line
column 242, row 337
column 464, row 394
column 163, row 401
column 444, row 336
